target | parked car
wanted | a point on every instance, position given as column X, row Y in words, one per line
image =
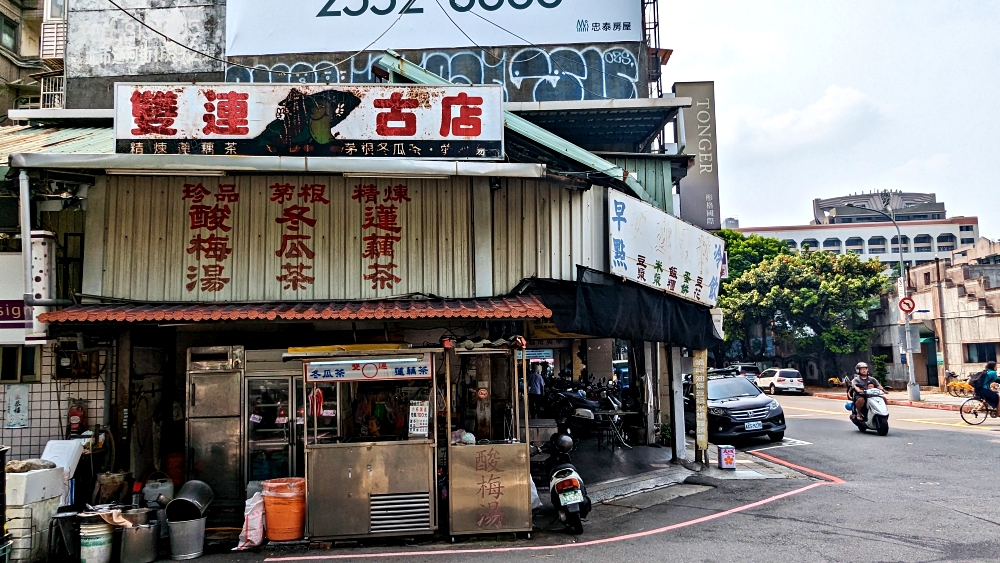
column 750, row 371
column 781, row 380
column 736, row 409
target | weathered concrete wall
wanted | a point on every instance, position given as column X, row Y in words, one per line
column 569, row 72
column 98, row 93
column 104, row 42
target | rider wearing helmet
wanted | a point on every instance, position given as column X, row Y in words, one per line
column 861, row 383
column 985, row 390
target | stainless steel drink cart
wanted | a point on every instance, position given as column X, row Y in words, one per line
column 489, row 481
column 370, row 445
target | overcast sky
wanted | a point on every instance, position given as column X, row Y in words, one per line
column 821, row 99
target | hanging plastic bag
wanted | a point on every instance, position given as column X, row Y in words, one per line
column 252, row 533
column 535, row 501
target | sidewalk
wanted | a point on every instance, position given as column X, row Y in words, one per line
column 928, row 399
column 747, row 467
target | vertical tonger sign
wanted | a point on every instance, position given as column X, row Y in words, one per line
column 700, row 188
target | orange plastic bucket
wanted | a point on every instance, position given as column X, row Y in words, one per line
column 285, row 508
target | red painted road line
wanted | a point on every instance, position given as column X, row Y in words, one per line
column 833, row 480
column 703, row 519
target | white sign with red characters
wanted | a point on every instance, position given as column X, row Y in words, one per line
column 417, row 366
column 439, row 122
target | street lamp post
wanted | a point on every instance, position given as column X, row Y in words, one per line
column 911, row 386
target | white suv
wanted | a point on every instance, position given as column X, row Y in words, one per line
column 774, row 380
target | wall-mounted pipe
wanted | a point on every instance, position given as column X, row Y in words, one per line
column 29, row 294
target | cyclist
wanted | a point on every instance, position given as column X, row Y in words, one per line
column 984, row 391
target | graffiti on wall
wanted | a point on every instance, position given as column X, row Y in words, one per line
column 529, row 74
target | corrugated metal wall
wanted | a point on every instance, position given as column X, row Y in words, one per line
column 147, row 238
column 654, row 175
column 541, row 229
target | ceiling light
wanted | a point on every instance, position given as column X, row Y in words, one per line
column 125, row 172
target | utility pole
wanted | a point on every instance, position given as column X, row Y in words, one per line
column 911, row 386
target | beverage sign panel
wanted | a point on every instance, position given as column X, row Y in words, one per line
column 659, row 250
column 417, row 366
column 439, row 122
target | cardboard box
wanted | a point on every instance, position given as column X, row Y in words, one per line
column 34, row 486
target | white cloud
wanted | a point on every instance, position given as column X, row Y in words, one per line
column 919, row 167
column 839, row 118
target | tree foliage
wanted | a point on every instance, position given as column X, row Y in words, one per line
column 820, row 300
column 745, row 252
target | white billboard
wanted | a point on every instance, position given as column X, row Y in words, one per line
column 659, row 250
column 267, row 27
column 439, row 122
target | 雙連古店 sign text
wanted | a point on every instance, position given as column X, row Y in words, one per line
column 440, row 122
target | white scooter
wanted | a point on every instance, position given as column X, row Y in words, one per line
column 878, row 413
column 568, row 493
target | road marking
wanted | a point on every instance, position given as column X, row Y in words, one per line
column 786, row 443
column 950, row 424
column 830, row 480
column 813, row 410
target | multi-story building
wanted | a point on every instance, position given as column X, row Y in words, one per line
column 21, row 69
column 598, row 98
column 956, row 323
column 854, row 224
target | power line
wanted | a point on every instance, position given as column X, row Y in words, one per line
column 230, row 63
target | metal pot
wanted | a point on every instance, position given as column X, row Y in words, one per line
column 139, row 516
column 190, row 502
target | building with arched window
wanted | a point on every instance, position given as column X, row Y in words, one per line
column 926, row 230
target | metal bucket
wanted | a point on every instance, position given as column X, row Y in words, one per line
column 139, row 543
column 187, row 539
column 190, row 502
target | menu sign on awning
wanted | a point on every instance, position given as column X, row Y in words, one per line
column 417, row 366
column 368, row 121
column 659, row 250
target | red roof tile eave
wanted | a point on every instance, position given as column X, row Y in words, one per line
column 508, row 308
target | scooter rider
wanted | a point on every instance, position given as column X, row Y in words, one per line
column 860, row 384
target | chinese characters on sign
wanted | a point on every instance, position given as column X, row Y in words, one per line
column 653, row 248
column 491, row 488
column 458, row 122
column 419, row 366
column 209, row 231
column 420, row 412
column 699, row 375
column 295, row 220
column 17, row 406
column 381, row 220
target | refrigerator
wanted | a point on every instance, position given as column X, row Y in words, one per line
column 215, row 388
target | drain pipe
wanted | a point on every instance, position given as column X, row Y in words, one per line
column 29, row 294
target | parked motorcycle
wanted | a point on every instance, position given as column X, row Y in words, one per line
column 566, row 488
column 878, row 413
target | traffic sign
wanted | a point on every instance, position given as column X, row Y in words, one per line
column 907, row 305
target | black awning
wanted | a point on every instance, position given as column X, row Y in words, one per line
column 603, row 306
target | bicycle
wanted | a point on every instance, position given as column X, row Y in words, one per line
column 975, row 411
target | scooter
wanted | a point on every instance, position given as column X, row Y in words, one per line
column 566, row 487
column 878, row 413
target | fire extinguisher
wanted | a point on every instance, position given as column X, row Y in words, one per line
column 77, row 419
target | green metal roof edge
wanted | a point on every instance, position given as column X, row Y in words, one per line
column 392, row 62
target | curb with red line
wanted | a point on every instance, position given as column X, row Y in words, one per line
column 825, row 480
column 897, row 402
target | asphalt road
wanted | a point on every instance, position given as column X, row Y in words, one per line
column 925, row 492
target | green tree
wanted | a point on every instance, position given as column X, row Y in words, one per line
column 819, row 300
column 745, row 252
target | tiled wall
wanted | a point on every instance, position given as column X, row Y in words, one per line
column 48, row 405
